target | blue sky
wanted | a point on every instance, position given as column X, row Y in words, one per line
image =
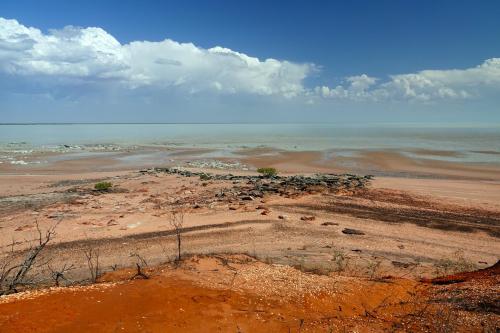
column 332, row 61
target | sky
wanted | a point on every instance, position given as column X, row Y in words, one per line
column 254, row 61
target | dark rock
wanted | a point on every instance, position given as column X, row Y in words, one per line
column 258, row 186
column 348, row 231
column 308, row 218
column 400, row 264
column 111, row 223
column 329, row 223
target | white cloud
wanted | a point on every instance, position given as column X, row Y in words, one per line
column 67, row 61
column 91, row 54
column 356, row 88
column 427, row 85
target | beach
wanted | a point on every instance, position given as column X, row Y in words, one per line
column 420, row 216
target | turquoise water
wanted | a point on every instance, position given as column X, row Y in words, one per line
column 476, row 143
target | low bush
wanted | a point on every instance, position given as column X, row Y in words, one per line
column 267, row 172
column 204, row 176
column 103, row 186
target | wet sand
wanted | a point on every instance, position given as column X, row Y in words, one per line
column 386, row 163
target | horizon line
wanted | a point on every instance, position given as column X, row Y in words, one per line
column 245, row 123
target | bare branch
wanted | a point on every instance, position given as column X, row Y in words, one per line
column 59, row 274
column 9, row 285
column 176, row 221
column 92, row 256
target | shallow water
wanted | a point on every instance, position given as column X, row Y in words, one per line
column 471, row 143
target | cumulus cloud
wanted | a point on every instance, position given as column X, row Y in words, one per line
column 91, row 54
column 70, row 60
column 356, row 87
column 427, row 85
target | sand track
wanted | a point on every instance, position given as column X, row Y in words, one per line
column 459, row 220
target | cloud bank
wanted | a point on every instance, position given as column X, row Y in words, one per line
column 77, row 55
column 427, row 85
column 68, row 59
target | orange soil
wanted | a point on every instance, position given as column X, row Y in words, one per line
column 184, row 300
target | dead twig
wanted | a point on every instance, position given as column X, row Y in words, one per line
column 176, row 221
column 9, row 284
column 92, row 256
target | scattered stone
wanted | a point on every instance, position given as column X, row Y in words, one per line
column 329, row 223
column 22, row 228
column 308, row 218
column 111, row 223
column 233, row 208
column 400, row 264
column 287, row 186
column 247, row 198
column 356, row 250
column 265, row 212
column 401, row 246
column 283, row 217
column 348, row 231
column 55, row 215
column 215, row 164
column 261, row 207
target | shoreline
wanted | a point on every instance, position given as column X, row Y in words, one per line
column 416, row 163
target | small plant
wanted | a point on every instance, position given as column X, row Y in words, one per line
column 457, row 264
column 92, row 255
column 204, row 176
column 373, row 267
column 340, row 261
column 103, row 186
column 268, row 172
column 176, row 221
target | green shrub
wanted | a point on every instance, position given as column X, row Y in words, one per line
column 103, row 186
column 204, row 176
column 267, row 172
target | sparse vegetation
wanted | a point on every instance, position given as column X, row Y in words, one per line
column 339, row 260
column 103, row 186
column 92, row 257
column 373, row 268
column 139, row 264
column 176, row 221
column 14, row 270
column 458, row 263
column 268, row 172
column 204, row 176
column 59, row 274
